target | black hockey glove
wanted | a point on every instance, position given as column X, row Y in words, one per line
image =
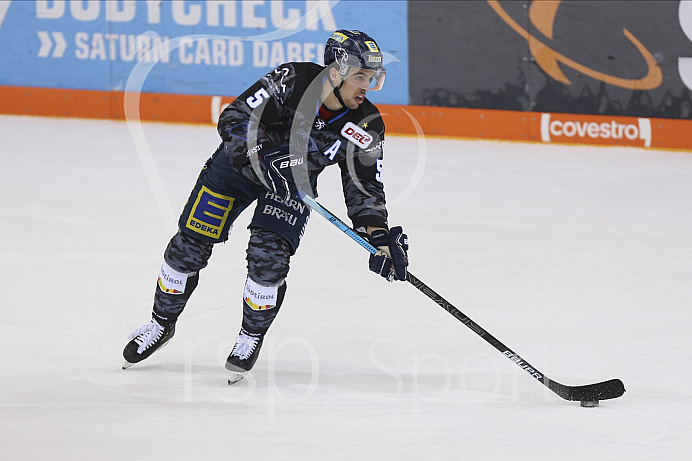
column 391, row 258
column 280, row 168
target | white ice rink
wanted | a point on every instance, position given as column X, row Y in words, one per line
column 578, row 258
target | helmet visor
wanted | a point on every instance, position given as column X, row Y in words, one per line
column 366, row 79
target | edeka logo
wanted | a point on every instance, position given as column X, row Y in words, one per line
column 209, row 213
column 542, row 17
column 583, row 129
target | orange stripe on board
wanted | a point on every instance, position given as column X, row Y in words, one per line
column 399, row 119
column 456, row 122
column 103, row 104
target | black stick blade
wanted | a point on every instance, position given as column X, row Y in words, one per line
column 600, row 391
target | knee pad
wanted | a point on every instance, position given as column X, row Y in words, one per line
column 268, row 257
column 186, row 254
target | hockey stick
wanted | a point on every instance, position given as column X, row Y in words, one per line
column 588, row 395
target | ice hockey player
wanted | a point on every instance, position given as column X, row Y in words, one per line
column 277, row 137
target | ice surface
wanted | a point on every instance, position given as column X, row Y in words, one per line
column 578, row 258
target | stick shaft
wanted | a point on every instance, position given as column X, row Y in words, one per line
column 599, row 391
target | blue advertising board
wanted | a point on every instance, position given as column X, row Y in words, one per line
column 200, row 47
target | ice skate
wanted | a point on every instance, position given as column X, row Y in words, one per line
column 145, row 341
column 244, row 355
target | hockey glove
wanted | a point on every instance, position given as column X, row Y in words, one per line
column 391, row 258
column 280, row 169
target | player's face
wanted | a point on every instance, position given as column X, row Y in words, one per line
column 352, row 96
column 356, row 85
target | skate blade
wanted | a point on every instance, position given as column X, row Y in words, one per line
column 236, row 376
column 127, row 365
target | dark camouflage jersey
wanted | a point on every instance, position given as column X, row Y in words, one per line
column 281, row 110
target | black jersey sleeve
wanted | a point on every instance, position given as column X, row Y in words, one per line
column 254, row 120
column 361, row 177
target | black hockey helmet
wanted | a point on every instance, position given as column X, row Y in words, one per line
column 347, row 49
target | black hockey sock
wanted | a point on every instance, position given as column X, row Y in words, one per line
column 169, row 305
column 261, row 305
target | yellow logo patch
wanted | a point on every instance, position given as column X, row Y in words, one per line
column 209, row 213
column 339, row 37
column 372, row 46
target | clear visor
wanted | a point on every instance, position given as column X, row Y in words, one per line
column 366, row 79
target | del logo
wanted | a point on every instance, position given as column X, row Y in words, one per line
column 570, row 127
column 356, row 135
